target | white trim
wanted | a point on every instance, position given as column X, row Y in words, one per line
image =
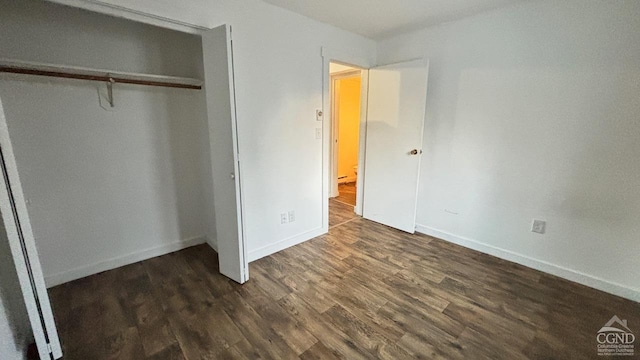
column 134, row 15
column 549, row 268
column 286, row 243
column 362, row 141
column 83, row 271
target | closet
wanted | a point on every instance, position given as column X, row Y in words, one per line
column 118, row 143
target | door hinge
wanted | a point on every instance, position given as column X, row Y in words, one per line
column 49, row 349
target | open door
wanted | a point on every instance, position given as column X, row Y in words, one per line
column 23, row 250
column 217, row 51
column 395, row 122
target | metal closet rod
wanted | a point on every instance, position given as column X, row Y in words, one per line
column 94, row 77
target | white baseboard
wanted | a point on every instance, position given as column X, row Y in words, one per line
column 283, row 244
column 83, row 271
column 553, row 269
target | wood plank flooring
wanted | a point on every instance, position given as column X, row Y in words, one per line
column 340, row 213
column 362, row 291
column 347, row 193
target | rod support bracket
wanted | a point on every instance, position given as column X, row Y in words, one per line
column 110, row 91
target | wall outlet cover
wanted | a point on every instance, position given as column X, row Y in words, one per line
column 539, row 226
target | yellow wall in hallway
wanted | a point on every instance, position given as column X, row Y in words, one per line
column 348, row 125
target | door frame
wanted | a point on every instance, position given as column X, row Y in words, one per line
column 363, row 62
column 335, row 124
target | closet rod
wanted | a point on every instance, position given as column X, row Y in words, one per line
column 96, row 78
column 39, row 69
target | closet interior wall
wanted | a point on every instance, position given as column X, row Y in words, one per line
column 106, row 186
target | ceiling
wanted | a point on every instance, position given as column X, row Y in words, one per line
column 377, row 19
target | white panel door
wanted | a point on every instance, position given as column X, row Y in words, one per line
column 395, row 121
column 23, row 250
column 218, row 67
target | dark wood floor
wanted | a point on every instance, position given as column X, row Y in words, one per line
column 347, row 193
column 362, row 291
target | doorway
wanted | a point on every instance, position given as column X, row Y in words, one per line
column 345, row 96
column 393, row 101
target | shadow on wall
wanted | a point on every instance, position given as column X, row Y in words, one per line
column 15, row 331
column 189, row 151
column 115, row 43
column 542, row 142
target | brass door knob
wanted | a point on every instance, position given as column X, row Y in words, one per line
column 414, row 152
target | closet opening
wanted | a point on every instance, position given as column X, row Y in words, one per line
column 129, row 171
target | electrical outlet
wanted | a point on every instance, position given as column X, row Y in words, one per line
column 292, row 216
column 283, row 218
column 318, row 133
column 538, row 226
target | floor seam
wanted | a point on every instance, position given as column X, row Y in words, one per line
column 342, row 202
column 344, row 222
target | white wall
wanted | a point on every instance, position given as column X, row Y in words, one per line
column 105, row 188
column 278, row 73
column 279, row 87
column 39, row 31
column 15, row 331
column 532, row 112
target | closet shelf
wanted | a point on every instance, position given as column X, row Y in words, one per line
column 74, row 72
